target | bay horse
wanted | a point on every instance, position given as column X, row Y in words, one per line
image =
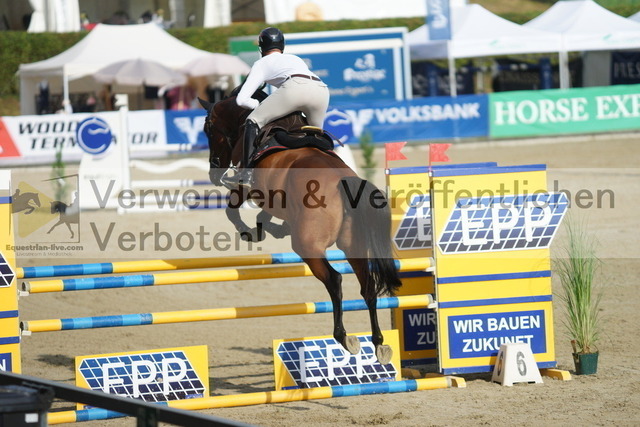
column 322, row 202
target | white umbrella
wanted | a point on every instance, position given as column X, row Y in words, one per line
column 138, row 72
column 218, row 64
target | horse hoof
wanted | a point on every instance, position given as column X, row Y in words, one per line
column 383, row 354
column 352, row 344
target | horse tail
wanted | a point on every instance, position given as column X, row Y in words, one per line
column 371, row 231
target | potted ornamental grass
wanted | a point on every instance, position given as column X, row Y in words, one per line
column 577, row 268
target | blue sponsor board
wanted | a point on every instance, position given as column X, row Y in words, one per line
column 481, row 335
column 414, row 231
column 152, row 377
column 418, row 119
column 499, row 223
column 322, row 362
column 357, row 75
column 365, row 65
column 186, row 127
column 439, row 19
column 5, row 362
column 419, row 329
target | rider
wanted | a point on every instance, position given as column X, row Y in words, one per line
column 298, row 89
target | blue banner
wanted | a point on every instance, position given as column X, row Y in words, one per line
column 480, row 335
column 419, row 329
column 358, row 75
column 186, row 127
column 625, row 68
column 439, row 19
column 418, row 119
column 385, row 120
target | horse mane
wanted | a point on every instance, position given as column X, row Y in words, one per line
column 259, row 94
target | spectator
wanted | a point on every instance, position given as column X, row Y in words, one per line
column 43, row 97
column 146, row 17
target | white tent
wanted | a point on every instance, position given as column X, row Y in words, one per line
column 72, row 69
column 586, row 26
column 476, row 32
column 635, row 17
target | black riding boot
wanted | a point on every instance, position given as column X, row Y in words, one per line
column 243, row 177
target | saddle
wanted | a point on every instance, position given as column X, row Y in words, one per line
column 290, row 132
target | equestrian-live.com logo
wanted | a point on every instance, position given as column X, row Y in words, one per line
column 46, row 211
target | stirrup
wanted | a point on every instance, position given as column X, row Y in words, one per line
column 243, row 177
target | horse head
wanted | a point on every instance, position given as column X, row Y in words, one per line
column 223, row 128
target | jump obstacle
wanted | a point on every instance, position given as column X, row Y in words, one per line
column 508, row 276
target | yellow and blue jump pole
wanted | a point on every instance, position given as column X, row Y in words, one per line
column 50, row 325
column 279, row 396
column 120, row 267
column 226, row 275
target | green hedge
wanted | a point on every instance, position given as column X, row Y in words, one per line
column 22, row 48
column 18, row 47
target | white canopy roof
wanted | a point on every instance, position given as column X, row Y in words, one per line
column 635, row 17
column 476, row 32
column 105, row 44
column 585, row 25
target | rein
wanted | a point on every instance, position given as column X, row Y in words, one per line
column 214, row 160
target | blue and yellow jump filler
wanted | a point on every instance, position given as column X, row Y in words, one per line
column 477, row 236
column 9, row 325
column 489, row 229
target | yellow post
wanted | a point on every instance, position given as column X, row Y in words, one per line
column 9, row 324
column 408, row 194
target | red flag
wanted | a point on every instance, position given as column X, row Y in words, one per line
column 437, row 152
column 393, row 151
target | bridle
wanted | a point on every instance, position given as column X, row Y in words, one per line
column 209, row 129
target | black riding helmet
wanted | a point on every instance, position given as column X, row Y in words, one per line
column 270, row 38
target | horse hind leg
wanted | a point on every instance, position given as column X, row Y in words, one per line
column 368, row 292
column 332, row 281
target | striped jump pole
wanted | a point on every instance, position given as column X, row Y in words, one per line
column 279, row 396
column 204, row 276
column 164, row 265
column 185, row 316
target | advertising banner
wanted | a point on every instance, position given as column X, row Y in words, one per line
column 158, row 375
column 185, row 128
column 38, row 138
column 322, row 362
column 494, row 226
column 550, row 112
column 416, row 119
column 625, row 67
column 357, row 65
column 439, row 19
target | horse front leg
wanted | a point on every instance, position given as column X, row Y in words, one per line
column 278, row 231
column 248, row 234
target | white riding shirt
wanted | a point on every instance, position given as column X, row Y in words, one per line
column 274, row 69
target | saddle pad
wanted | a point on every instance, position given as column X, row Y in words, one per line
column 281, row 140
